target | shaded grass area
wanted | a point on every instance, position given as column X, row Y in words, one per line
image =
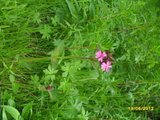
column 48, row 69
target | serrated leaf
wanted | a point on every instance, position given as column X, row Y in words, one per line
column 36, row 18
column 45, row 31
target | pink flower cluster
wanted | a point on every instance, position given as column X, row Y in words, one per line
column 104, row 59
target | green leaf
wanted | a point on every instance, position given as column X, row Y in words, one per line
column 4, row 64
column 91, row 11
column 57, row 53
column 11, row 102
column 27, row 110
column 12, row 111
column 55, row 20
column 65, row 86
column 72, row 8
column 11, row 78
column 4, row 116
column 35, row 81
column 45, row 31
column 15, row 87
column 36, row 18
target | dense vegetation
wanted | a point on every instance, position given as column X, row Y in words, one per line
column 48, row 69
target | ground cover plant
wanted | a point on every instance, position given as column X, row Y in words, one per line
column 79, row 59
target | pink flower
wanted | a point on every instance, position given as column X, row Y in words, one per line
column 100, row 55
column 106, row 66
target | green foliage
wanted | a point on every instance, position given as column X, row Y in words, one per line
column 48, row 69
column 12, row 111
column 27, row 111
column 45, row 31
column 50, row 73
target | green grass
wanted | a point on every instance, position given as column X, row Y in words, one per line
column 48, row 69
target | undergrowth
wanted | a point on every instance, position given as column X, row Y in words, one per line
column 48, row 69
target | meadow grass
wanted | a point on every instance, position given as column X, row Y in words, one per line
column 48, row 69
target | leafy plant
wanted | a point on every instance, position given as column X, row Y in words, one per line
column 45, row 31
column 12, row 111
column 48, row 65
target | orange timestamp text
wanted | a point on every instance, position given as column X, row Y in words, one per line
column 141, row 108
